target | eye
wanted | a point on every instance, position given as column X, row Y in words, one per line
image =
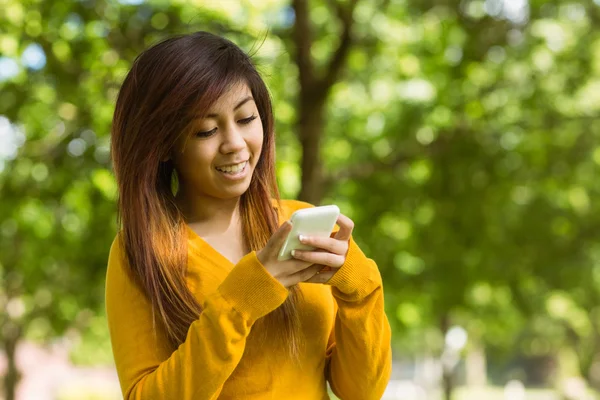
column 247, row 120
column 206, row 134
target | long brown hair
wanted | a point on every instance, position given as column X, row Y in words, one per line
column 161, row 95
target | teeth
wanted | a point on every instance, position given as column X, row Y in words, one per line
column 234, row 168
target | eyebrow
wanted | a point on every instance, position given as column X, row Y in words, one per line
column 241, row 103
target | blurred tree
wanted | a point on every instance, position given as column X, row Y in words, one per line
column 458, row 135
column 57, row 216
column 471, row 157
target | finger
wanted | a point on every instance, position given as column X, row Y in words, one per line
column 320, row 257
column 326, row 268
column 321, row 277
column 279, row 237
column 293, row 266
column 334, row 246
column 282, row 232
column 346, row 227
column 306, row 273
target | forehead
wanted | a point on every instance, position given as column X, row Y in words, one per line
column 230, row 98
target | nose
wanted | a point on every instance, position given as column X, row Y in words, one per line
column 233, row 140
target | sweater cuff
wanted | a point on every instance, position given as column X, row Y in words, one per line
column 251, row 290
column 357, row 278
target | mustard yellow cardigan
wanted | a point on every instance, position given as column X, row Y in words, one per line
column 344, row 326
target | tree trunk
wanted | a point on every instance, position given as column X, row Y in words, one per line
column 448, row 384
column 315, row 88
column 447, row 372
column 12, row 336
column 590, row 369
column 311, row 127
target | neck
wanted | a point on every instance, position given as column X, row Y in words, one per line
column 209, row 214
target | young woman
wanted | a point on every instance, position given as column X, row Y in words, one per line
column 198, row 305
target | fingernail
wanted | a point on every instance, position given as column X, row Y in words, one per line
column 293, row 253
column 301, row 238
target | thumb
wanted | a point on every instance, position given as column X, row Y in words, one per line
column 271, row 249
column 278, row 238
column 283, row 231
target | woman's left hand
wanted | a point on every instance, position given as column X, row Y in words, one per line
column 331, row 252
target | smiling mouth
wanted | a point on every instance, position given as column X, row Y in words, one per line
column 233, row 169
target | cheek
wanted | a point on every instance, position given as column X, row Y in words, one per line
column 258, row 144
column 193, row 158
column 257, row 139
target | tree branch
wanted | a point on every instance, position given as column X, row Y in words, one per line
column 338, row 8
column 366, row 169
column 339, row 56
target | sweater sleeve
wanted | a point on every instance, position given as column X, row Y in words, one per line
column 148, row 368
column 359, row 357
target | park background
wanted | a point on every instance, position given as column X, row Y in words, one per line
column 460, row 136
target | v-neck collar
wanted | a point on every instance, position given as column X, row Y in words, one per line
column 202, row 244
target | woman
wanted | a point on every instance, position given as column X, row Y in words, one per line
column 198, row 305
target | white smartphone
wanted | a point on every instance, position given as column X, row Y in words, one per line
column 314, row 221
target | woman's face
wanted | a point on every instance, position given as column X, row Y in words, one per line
column 217, row 159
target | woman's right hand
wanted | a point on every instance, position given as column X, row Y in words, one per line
column 288, row 272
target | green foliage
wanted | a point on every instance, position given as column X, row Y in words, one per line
column 58, row 212
column 481, row 158
column 463, row 145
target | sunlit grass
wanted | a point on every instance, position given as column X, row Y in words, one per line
column 78, row 392
column 487, row 393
